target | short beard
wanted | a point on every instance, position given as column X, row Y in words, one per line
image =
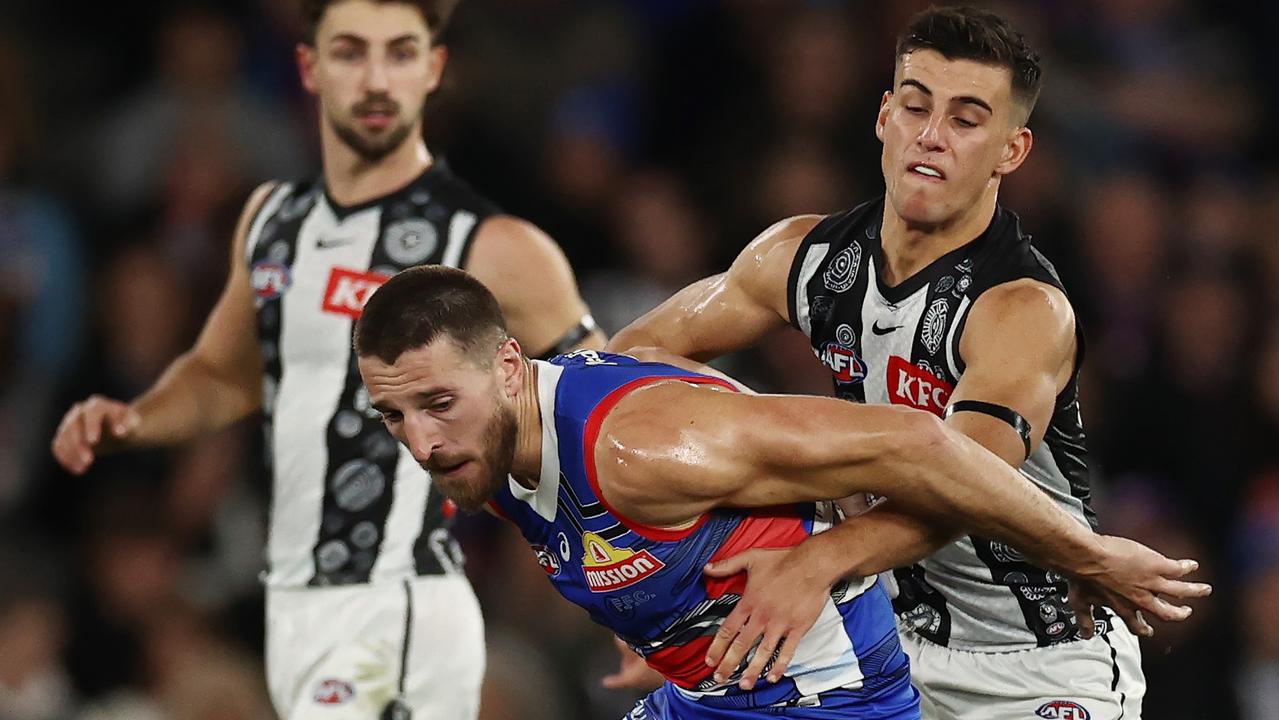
column 370, row 150
column 498, row 458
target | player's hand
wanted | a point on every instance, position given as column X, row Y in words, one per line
column 632, row 671
column 782, row 600
column 90, row 427
column 1134, row 580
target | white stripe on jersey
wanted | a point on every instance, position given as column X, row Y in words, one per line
column 812, row 260
column 410, row 486
column 459, row 230
column 314, row 360
column 544, row 499
column 876, row 347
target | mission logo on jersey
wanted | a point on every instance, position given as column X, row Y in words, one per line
column 608, row 568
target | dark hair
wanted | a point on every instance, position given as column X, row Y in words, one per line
column 967, row 33
column 423, row 303
column 436, row 13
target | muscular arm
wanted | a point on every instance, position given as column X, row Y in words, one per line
column 671, row 452
column 729, row 311
column 215, row 383
column 1019, row 349
column 533, row 283
column 218, row 381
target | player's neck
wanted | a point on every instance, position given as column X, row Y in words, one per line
column 910, row 248
column 527, row 464
column 352, row 180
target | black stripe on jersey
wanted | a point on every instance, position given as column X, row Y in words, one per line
column 920, row 606
column 1041, row 594
column 584, row 510
column 270, row 273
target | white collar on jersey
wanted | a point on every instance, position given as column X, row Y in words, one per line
column 544, row 498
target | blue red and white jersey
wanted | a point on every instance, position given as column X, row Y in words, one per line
column 646, row 584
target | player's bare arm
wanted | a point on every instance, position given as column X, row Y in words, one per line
column 209, row 387
column 670, row 452
column 534, row 285
column 729, row 311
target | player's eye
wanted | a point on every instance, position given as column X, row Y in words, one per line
column 916, row 109
column 962, row 122
column 390, row 417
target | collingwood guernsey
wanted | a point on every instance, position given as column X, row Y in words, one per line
column 349, row 505
column 900, row 345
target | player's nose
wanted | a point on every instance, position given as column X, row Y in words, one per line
column 930, row 135
column 422, row 439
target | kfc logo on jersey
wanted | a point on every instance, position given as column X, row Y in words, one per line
column 608, row 568
column 348, row 290
column 1063, row 710
column 843, row 362
column 269, row 279
column 916, row 387
column 332, row 691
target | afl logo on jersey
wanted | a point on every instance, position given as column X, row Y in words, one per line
column 842, row 271
column 1063, row 710
column 409, row 242
column 608, row 568
column 269, row 279
column 843, row 363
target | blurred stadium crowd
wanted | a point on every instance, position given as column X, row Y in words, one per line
column 652, row 139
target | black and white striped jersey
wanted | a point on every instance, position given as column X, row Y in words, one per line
column 901, row 345
column 349, row 505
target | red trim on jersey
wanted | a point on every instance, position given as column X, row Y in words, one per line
column 684, row 665
column 592, row 431
column 497, row 510
column 778, row 527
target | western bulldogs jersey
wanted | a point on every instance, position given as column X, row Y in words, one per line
column 349, row 505
column 646, row 584
column 901, row 345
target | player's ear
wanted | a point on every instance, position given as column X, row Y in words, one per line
column 510, row 366
column 882, row 118
column 306, row 56
column 438, row 58
column 1015, row 151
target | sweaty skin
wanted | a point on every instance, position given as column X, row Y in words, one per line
column 669, row 452
column 958, row 121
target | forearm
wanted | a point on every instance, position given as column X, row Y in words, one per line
column 957, row 479
column 868, row 544
column 190, row 399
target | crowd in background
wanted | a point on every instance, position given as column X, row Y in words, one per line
column 652, row 139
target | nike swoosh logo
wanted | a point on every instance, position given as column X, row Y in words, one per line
column 325, row 243
column 875, row 328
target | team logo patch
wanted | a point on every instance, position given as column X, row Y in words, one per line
column 842, row 271
column 934, row 326
column 348, row 290
column 270, row 279
column 1063, row 710
column 945, row 284
column 843, row 363
column 914, row 386
column 819, row 310
column 357, row 484
column 332, row 691
column 608, row 568
column 409, row 242
column 547, row 560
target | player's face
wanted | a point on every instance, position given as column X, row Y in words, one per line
column 453, row 414
column 950, row 131
column 372, row 67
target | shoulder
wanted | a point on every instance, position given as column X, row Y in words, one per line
column 1022, row 312
column 252, row 207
